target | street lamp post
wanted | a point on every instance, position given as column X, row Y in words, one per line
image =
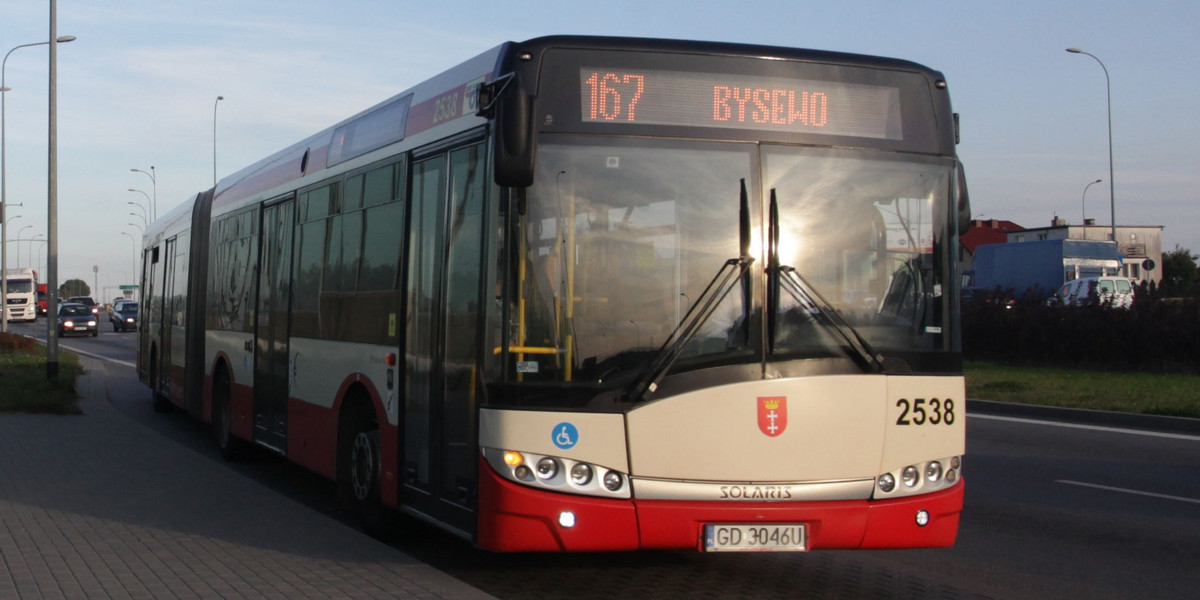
column 1112, row 194
column 18, row 240
column 133, row 262
column 52, row 203
column 153, row 188
column 5, row 239
column 219, row 98
column 32, row 265
column 1083, row 206
column 145, row 217
column 38, row 254
column 149, row 203
column 4, row 89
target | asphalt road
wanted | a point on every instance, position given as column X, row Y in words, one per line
column 1053, row 510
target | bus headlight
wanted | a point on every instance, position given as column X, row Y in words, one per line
column 933, row 471
column 613, row 481
column 921, row 478
column 547, row 468
column 581, row 474
column 558, row 473
column 887, row 483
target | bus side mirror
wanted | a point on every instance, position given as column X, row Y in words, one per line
column 510, row 109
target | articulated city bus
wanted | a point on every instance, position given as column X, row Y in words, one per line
column 583, row 294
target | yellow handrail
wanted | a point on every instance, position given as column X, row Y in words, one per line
column 527, row 350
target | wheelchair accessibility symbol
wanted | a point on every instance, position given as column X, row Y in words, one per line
column 565, row 435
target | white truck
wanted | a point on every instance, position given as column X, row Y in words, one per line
column 21, row 295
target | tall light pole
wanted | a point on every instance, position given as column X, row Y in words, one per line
column 33, row 265
column 133, row 262
column 149, row 203
column 145, row 216
column 153, row 188
column 4, row 89
column 18, row 240
column 1112, row 193
column 52, row 205
column 38, row 254
column 219, row 98
column 1083, row 206
column 6, row 245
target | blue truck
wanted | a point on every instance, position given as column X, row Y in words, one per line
column 1033, row 271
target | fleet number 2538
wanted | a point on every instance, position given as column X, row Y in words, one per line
column 922, row 411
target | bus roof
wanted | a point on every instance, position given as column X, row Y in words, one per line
column 414, row 113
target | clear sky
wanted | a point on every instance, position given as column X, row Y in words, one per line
column 139, row 85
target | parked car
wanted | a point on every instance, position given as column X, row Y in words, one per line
column 86, row 301
column 74, row 317
column 1116, row 292
column 124, row 316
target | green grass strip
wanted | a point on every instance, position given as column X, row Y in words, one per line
column 1142, row 393
column 24, row 386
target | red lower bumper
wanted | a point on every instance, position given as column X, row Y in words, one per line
column 515, row 518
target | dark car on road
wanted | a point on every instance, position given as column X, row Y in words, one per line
column 77, row 318
column 86, row 301
column 124, row 316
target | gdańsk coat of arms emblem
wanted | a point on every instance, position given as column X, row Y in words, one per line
column 772, row 414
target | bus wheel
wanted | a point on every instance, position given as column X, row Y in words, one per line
column 232, row 448
column 361, row 473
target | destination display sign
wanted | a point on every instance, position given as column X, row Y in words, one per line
column 690, row 99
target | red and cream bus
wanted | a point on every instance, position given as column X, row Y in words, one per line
column 583, row 294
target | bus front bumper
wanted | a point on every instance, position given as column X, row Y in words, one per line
column 515, row 518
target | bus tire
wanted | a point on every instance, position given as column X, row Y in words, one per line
column 360, row 474
column 232, row 448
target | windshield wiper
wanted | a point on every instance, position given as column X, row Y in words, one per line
column 803, row 292
column 730, row 273
column 720, row 286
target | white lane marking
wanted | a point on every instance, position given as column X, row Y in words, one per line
column 1158, row 434
column 1128, row 491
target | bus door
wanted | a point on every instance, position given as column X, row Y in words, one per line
column 163, row 368
column 160, row 323
column 442, row 343
column 271, row 367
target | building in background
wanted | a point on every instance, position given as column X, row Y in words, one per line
column 1139, row 246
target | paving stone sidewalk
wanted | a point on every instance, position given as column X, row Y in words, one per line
column 99, row 506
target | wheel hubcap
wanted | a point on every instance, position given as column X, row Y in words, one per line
column 364, row 464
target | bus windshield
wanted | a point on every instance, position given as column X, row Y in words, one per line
column 621, row 238
column 863, row 230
